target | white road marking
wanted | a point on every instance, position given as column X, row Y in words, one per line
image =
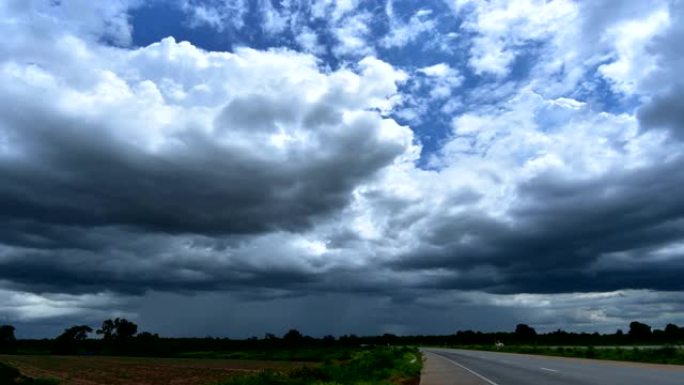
column 483, row 378
column 549, row 370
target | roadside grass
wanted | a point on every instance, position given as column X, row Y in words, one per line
column 378, row 366
column 659, row 355
column 10, row 375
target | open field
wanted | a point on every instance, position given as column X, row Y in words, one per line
column 371, row 366
column 87, row 370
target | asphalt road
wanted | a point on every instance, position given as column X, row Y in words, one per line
column 520, row 369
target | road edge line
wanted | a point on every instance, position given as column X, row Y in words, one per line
column 463, row 367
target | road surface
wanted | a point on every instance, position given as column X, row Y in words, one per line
column 490, row 368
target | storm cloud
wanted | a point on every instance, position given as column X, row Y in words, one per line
column 567, row 236
column 300, row 176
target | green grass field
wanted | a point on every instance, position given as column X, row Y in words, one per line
column 659, row 355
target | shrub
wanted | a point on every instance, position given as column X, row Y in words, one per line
column 10, row 375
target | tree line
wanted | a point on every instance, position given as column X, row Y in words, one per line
column 121, row 336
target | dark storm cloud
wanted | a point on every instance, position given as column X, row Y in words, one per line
column 78, row 273
column 112, row 259
column 566, row 235
column 73, row 172
column 563, row 235
column 98, row 195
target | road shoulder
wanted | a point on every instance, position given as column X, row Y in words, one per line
column 438, row 370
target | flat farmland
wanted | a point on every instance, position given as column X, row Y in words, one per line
column 102, row 370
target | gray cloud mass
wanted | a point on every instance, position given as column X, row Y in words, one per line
column 139, row 180
column 566, row 236
column 664, row 110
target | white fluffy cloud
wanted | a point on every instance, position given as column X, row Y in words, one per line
column 218, row 14
column 93, row 20
column 631, row 62
column 441, row 79
column 352, row 35
column 401, row 33
column 503, row 28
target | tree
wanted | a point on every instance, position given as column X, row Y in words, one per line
column 147, row 337
column 7, row 334
column 76, row 333
column 388, row 339
column 125, row 329
column 674, row 333
column 524, row 332
column 7, row 339
column 68, row 342
column 119, row 329
column 639, row 331
column 107, row 330
column 293, row 337
column 329, row 339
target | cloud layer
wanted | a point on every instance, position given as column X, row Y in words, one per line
column 517, row 164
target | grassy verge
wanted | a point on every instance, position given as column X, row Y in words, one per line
column 662, row 355
column 379, row 366
column 10, row 375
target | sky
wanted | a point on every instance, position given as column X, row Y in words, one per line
column 235, row 168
